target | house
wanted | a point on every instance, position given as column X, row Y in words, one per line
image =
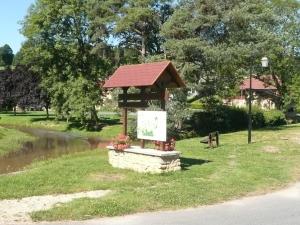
column 265, row 94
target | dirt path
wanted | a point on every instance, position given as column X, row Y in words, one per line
column 17, row 210
column 278, row 208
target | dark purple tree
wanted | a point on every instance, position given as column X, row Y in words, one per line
column 21, row 87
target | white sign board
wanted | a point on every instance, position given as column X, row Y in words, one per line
column 152, row 125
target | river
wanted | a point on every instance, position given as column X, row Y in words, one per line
column 48, row 144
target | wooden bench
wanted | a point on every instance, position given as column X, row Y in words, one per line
column 211, row 138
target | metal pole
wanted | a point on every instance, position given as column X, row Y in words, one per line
column 250, row 108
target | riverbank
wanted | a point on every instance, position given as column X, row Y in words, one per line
column 110, row 124
column 47, row 144
column 11, row 140
column 233, row 170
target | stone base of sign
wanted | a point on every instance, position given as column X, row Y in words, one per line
column 144, row 160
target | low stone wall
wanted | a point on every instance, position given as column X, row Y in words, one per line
column 144, row 160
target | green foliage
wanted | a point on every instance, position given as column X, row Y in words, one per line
column 258, row 118
column 6, row 56
column 214, row 42
column 274, row 118
column 135, row 25
column 177, row 112
column 60, row 45
column 197, row 105
column 132, row 128
column 226, row 119
column 292, row 98
column 139, row 23
column 221, row 118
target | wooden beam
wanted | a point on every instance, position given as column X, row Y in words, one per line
column 140, row 96
column 133, row 104
column 124, row 116
column 163, row 100
column 125, row 124
column 142, row 143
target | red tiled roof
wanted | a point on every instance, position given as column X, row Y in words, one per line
column 256, row 85
column 140, row 75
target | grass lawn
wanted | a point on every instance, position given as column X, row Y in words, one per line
column 111, row 123
column 209, row 176
column 11, row 139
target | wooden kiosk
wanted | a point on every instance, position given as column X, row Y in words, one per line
column 152, row 81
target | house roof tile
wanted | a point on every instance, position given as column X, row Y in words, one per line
column 140, row 75
column 256, row 85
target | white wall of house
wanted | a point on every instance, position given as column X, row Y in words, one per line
column 260, row 102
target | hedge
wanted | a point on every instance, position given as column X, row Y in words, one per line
column 228, row 119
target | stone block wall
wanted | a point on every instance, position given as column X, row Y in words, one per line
column 145, row 160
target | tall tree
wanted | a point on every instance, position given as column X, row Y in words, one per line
column 20, row 87
column 6, row 87
column 284, row 53
column 139, row 23
column 215, row 43
column 6, row 55
column 58, row 33
column 102, row 15
column 292, row 97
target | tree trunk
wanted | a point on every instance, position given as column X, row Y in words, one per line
column 279, row 85
column 143, row 48
column 94, row 116
column 15, row 110
column 47, row 112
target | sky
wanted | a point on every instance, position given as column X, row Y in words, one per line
column 11, row 13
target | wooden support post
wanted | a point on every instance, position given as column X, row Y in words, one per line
column 162, row 145
column 124, row 113
column 142, row 143
column 217, row 139
column 210, row 140
column 163, row 100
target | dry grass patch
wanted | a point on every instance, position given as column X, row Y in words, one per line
column 296, row 140
column 106, row 177
column 270, row 149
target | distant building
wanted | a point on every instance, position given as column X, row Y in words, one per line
column 265, row 95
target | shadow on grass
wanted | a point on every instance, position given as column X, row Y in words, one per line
column 91, row 126
column 25, row 114
column 278, row 128
column 76, row 124
column 110, row 121
column 186, row 163
column 44, row 118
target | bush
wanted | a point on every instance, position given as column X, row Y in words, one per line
column 221, row 118
column 197, row 105
column 258, row 118
column 228, row 119
column 132, row 128
column 274, row 118
column 177, row 113
column 267, row 118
